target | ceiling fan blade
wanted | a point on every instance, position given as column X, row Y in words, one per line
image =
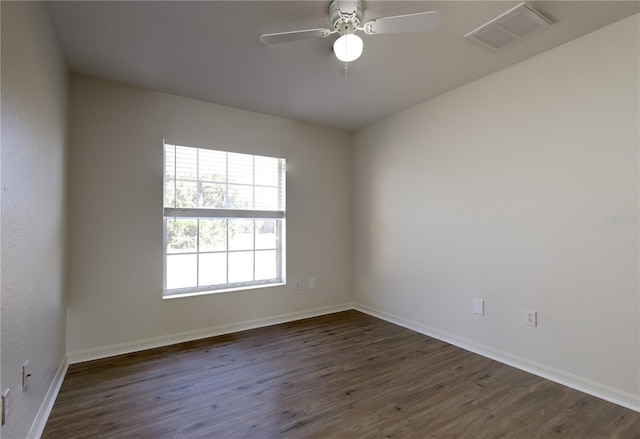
column 285, row 37
column 420, row 22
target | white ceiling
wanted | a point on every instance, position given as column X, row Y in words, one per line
column 211, row 51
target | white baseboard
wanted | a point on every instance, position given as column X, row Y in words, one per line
column 598, row 390
column 49, row 399
column 139, row 345
column 593, row 388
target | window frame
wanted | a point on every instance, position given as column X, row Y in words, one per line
column 199, row 213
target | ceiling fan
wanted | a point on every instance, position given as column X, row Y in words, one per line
column 346, row 17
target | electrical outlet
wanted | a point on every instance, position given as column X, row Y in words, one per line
column 531, row 318
column 297, row 286
column 5, row 406
column 26, row 374
column 312, row 282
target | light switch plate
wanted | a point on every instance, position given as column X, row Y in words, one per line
column 478, row 306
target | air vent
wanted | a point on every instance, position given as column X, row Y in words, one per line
column 515, row 24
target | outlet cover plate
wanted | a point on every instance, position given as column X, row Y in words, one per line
column 531, row 318
column 25, row 376
column 5, row 406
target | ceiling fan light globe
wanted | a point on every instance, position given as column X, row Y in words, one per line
column 348, row 47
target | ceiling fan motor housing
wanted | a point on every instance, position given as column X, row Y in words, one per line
column 348, row 12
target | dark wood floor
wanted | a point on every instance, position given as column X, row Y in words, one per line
column 345, row 375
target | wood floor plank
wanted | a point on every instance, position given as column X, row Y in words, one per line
column 345, row 375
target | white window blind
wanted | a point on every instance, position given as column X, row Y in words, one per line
column 223, row 219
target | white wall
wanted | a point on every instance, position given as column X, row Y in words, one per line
column 33, row 157
column 520, row 188
column 116, row 237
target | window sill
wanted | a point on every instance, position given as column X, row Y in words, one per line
column 223, row 290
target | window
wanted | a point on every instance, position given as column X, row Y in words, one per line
column 224, row 220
